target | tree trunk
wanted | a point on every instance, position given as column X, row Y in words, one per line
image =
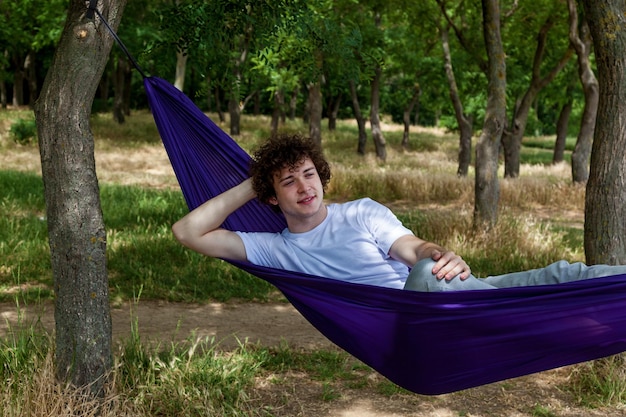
column 181, row 66
column 333, row 111
column 582, row 45
column 406, row 115
column 487, row 188
column 3, row 94
column 315, row 112
column 30, row 68
column 76, row 229
column 605, row 200
column 561, row 129
column 360, row 120
column 18, row 81
column 512, row 139
column 279, row 102
column 235, row 88
column 128, row 85
column 118, row 90
column 3, row 85
column 103, row 88
column 465, row 125
column 293, row 103
column 218, row 106
column 234, row 110
column 377, row 132
column 256, row 100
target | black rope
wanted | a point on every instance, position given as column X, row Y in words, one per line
column 91, row 10
column 90, row 15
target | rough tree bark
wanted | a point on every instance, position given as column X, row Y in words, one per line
column 605, row 200
column 512, row 138
column 279, row 103
column 561, row 128
column 360, row 120
column 406, row 115
column 234, row 109
column 75, row 225
column 487, row 187
column 377, row 132
column 465, row 124
column 119, row 85
column 581, row 41
column 181, row 69
column 315, row 112
column 333, row 110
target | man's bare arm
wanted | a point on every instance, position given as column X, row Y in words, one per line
column 410, row 249
column 200, row 229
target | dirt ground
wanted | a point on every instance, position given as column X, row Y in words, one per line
column 538, row 395
column 274, row 323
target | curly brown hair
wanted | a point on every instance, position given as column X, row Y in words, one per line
column 278, row 152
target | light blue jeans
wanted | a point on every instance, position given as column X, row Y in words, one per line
column 421, row 277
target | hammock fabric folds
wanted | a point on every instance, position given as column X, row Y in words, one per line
column 428, row 343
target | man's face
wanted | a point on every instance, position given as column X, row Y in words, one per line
column 299, row 191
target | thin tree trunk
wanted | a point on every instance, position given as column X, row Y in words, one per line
column 118, row 87
column 581, row 40
column 3, row 86
column 234, row 110
column 18, row 81
column 30, row 67
column 561, row 130
column 218, row 106
column 512, row 138
column 103, row 87
column 128, row 82
column 76, row 229
column 406, row 116
column 279, row 102
column 377, row 132
column 3, row 94
column 487, row 187
column 256, row 99
column 315, row 112
column 181, row 67
column 605, row 198
column 465, row 124
column 293, row 103
column 333, row 110
column 360, row 120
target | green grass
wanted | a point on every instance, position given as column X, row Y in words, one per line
column 142, row 253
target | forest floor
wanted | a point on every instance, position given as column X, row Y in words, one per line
column 272, row 324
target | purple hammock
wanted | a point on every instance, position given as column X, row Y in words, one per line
column 428, row 343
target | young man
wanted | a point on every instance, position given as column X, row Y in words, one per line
column 360, row 241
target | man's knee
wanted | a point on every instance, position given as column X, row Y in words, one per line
column 421, row 275
column 421, row 278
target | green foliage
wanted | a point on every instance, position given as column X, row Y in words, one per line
column 24, row 131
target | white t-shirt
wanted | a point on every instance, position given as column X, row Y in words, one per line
column 351, row 244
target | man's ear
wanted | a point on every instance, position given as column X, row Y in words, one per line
column 273, row 201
